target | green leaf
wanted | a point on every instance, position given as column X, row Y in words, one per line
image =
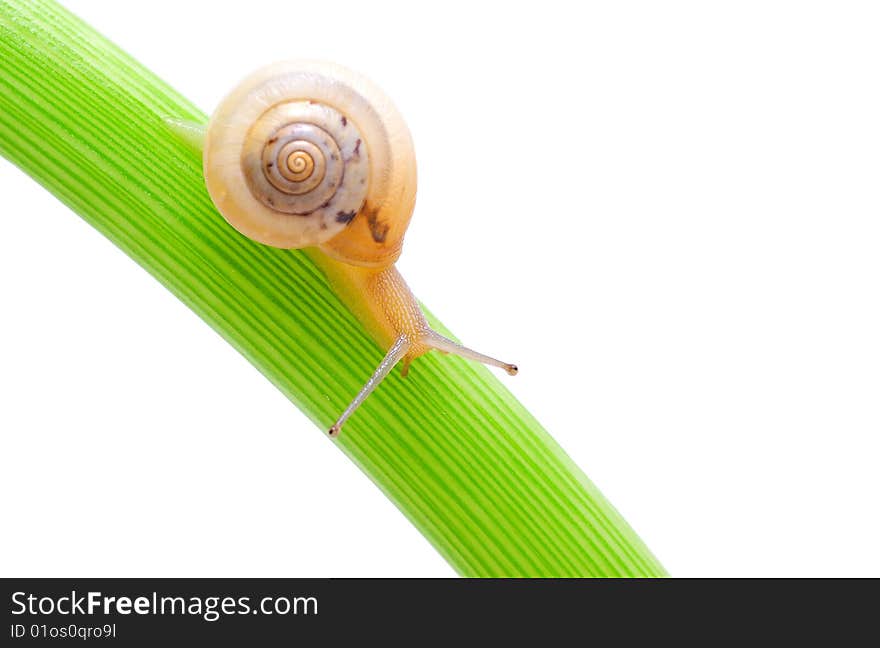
column 450, row 446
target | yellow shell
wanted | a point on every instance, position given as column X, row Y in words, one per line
column 304, row 154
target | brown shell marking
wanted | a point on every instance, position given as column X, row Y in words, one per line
column 378, row 229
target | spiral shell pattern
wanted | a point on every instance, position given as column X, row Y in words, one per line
column 307, row 159
column 301, row 152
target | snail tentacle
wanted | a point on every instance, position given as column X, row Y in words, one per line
column 310, row 155
column 395, row 354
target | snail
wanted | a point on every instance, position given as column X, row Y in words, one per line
column 311, row 155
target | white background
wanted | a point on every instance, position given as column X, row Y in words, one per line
column 673, row 227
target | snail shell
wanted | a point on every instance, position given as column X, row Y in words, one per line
column 304, row 154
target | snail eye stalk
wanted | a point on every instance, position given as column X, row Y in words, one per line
column 309, row 155
column 436, row 341
column 397, row 352
column 430, row 339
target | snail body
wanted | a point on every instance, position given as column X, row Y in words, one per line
column 310, row 155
